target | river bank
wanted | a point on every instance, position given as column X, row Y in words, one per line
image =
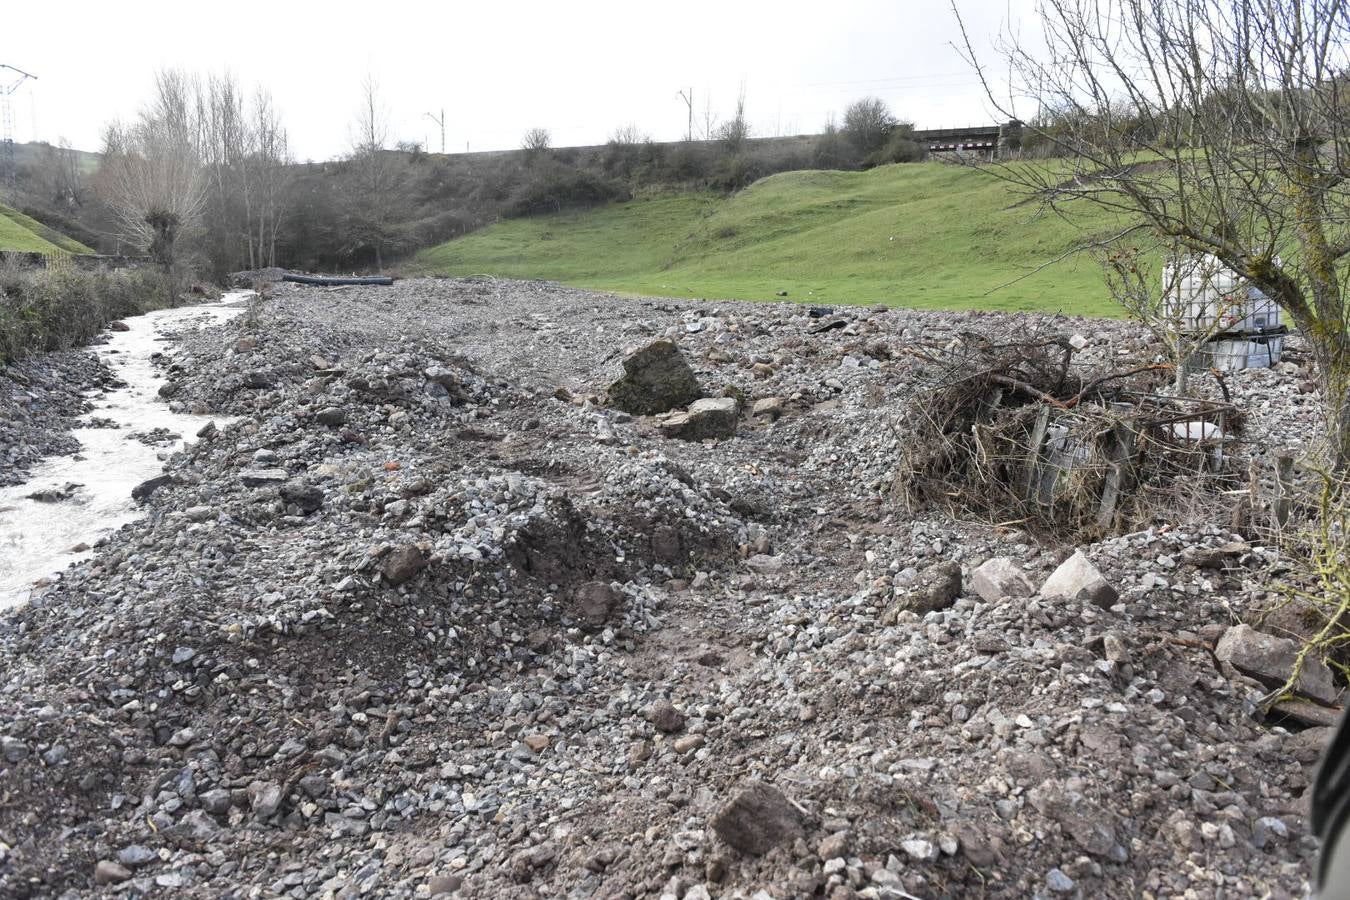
column 81, row 429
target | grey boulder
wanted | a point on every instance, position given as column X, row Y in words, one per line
column 656, row 379
column 1078, row 579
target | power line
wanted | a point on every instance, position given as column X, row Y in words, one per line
column 9, row 170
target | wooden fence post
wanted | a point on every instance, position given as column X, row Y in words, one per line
column 1284, row 486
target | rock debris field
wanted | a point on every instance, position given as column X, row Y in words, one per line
column 432, row 617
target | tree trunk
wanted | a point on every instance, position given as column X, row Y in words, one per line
column 1333, row 375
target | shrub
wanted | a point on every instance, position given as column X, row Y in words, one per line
column 900, row 147
column 868, row 124
column 831, row 150
column 736, row 172
column 55, row 309
column 552, row 187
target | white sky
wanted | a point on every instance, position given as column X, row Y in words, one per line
column 578, row 68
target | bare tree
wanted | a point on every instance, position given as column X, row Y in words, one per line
column 376, row 184
column 710, row 124
column 269, row 174
column 629, row 136
column 1220, row 126
column 60, row 174
column 151, row 176
column 536, row 143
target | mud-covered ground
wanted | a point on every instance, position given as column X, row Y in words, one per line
column 429, row 618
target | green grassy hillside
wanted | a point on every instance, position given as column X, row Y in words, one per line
column 926, row 235
column 20, row 232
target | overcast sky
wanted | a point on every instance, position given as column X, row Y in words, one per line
column 579, row 68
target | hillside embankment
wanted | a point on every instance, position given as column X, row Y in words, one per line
column 925, row 235
column 429, row 618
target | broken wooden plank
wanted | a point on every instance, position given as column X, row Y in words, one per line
column 1034, row 451
column 1120, row 452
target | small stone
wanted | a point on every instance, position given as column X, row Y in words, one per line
column 595, row 602
column 665, row 717
column 331, row 416
column 145, row 489
column 262, row 477
column 834, row 846
column 216, row 801
column 12, row 749
column 536, row 742
column 264, row 798
column 770, row 408
column 758, row 819
column 315, row 786
column 135, row 856
column 183, row 737
column 919, row 850
column 1078, row 579
column 713, row 417
column 999, row 579
column 440, row 885
column 108, row 872
column 402, row 564
column 687, row 743
column 1058, row 882
column 308, row 497
column 941, row 586
column 765, row 564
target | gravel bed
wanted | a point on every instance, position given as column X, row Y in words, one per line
column 40, row 399
column 429, row 618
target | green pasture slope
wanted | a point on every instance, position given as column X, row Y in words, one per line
column 20, row 232
column 923, row 235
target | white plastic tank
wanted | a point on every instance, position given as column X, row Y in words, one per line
column 1204, row 295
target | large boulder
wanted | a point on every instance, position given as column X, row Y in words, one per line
column 655, row 379
column 758, row 819
column 1078, row 579
column 1270, row 659
column 999, row 579
column 713, row 417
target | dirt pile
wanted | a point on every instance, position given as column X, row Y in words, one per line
column 429, row 617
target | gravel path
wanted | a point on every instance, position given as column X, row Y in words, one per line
column 429, row 618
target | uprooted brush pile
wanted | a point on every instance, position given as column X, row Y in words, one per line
column 1018, row 434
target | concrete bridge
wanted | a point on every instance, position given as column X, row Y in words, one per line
column 985, row 139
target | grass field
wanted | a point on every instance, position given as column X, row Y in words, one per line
column 925, row 235
column 20, row 232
